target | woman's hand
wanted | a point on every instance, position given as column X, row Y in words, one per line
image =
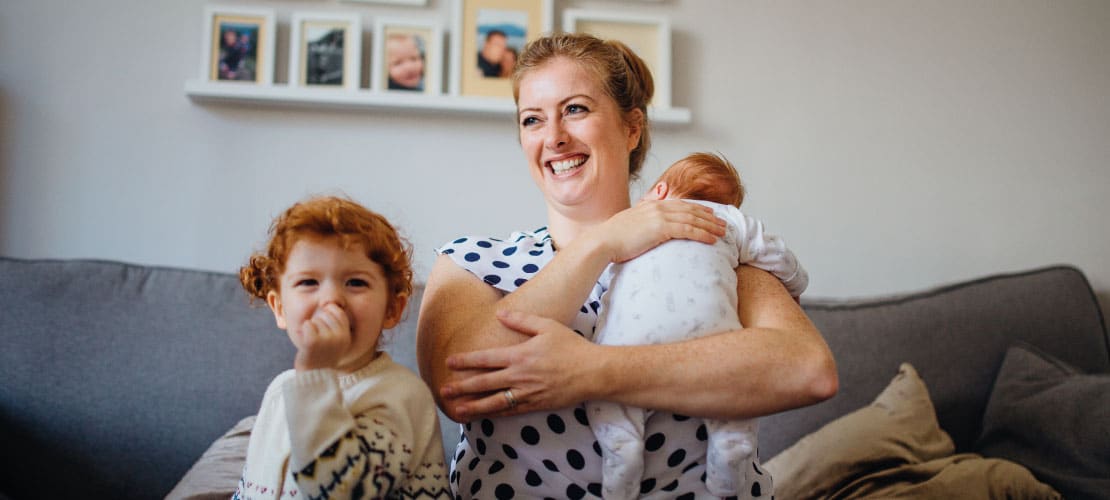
column 650, row 223
column 544, row 372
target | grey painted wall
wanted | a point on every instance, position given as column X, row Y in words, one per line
column 896, row 145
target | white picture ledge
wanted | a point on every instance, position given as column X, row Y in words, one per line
column 285, row 95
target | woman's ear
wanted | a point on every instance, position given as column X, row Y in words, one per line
column 635, row 128
column 273, row 299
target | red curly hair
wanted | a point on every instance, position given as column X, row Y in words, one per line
column 327, row 216
column 704, row 176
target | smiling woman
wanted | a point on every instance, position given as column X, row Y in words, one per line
column 506, row 323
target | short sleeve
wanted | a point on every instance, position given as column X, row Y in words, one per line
column 503, row 263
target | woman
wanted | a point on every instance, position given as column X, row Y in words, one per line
column 502, row 323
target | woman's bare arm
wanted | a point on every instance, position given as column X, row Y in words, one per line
column 777, row 362
column 458, row 312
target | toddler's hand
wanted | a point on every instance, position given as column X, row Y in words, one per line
column 323, row 339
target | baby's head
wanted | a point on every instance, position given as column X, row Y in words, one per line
column 700, row 176
column 405, row 59
column 337, row 221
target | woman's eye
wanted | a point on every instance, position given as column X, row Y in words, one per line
column 576, row 108
column 530, row 120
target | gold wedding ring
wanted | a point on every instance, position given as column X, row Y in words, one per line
column 509, row 397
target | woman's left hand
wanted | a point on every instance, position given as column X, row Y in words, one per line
column 544, row 372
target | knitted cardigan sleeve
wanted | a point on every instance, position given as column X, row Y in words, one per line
column 378, row 446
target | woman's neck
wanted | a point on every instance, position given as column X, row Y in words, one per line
column 565, row 224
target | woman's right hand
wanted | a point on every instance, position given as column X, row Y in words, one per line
column 650, row 223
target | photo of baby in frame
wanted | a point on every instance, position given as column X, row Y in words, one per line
column 407, row 56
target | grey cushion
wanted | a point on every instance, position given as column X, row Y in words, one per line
column 956, row 337
column 114, row 378
column 1053, row 419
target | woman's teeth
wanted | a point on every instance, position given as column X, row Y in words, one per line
column 564, row 165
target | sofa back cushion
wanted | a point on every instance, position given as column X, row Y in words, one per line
column 114, row 378
column 956, row 336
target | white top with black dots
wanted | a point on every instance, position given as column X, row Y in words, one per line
column 553, row 454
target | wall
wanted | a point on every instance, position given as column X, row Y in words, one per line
column 896, row 145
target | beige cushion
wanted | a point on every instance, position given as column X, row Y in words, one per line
column 216, row 474
column 894, row 448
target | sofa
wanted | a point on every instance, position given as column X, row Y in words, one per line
column 116, row 378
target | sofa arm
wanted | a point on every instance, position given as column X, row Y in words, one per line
column 216, row 474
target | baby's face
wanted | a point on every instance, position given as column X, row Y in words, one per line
column 406, row 65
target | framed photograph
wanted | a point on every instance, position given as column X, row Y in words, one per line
column 325, row 50
column 415, row 3
column 487, row 37
column 648, row 36
column 238, row 45
column 408, row 56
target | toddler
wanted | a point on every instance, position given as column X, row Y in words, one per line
column 681, row 290
column 346, row 422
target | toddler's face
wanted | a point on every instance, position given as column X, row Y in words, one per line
column 406, row 65
column 319, row 272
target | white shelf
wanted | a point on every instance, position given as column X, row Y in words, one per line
column 284, row 95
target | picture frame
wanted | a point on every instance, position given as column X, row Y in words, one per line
column 325, row 50
column 492, row 27
column 393, row 67
column 238, row 45
column 414, row 3
column 648, row 36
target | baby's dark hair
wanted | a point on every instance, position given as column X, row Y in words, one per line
column 328, row 216
column 704, row 176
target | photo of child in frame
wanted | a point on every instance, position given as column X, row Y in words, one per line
column 502, row 34
column 238, row 51
column 405, row 60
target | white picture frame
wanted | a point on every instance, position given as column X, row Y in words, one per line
column 249, row 58
column 325, row 50
column 425, row 36
column 413, row 3
column 521, row 21
column 648, row 36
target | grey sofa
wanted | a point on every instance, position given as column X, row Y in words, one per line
column 115, row 378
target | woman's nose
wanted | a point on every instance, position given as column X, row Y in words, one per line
column 557, row 136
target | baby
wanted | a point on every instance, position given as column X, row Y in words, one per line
column 346, row 422
column 681, row 290
column 405, row 59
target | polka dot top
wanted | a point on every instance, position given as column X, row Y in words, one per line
column 553, row 454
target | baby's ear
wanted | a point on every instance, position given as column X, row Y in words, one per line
column 658, row 191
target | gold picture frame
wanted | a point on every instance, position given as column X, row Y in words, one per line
column 648, row 36
column 238, row 45
column 496, row 27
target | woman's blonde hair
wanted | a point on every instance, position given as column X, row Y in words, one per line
column 622, row 74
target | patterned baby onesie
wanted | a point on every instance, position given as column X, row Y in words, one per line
column 677, row 291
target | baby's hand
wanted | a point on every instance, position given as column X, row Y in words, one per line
column 323, row 339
